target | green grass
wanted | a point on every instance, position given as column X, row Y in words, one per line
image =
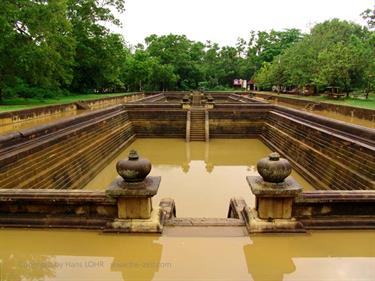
column 21, row 103
column 356, row 102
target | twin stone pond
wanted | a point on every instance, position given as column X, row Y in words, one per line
column 201, row 178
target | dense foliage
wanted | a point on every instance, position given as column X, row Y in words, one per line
column 48, row 48
column 336, row 54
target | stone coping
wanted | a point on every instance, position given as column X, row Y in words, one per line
column 147, row 188
column 330, row 196
column 282, row 96
column 261, row 188
column 61, row 105
column 54, row 195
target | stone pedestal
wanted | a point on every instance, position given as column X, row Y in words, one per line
column 135, row 212
column 274, row 200
column 274, row 203
column 209, row 105
column 186, row 105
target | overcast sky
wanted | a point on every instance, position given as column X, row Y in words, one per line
column 223, row 21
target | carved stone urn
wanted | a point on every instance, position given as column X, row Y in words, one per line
column 133, row 169
column 273, row 168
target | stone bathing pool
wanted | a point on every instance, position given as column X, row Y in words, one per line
column 54, row 177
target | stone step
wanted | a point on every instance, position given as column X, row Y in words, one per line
column 57, row 152
column 351, row 155
column 31, row 172
column 68, row 165
column 52, row 153
column 320, row 166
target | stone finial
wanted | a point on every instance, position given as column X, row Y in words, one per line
column 274, row 168
column 186, row 98
column 133, row 169
column 210, row 98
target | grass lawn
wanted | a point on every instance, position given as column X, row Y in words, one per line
column 20, row 103
column 357, row 102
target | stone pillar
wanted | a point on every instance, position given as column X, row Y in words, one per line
column 133, row 190
column 275, row 191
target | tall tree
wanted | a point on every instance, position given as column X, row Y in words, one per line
column 36, row 46
column 99, row 54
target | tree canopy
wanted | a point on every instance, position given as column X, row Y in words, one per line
column 336, row 53
column 49, row 48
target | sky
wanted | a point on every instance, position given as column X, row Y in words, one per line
column 223, row 21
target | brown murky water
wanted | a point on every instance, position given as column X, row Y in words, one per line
column 26, row 124
column 332, row 115
column 73, row 255
column 201, row 177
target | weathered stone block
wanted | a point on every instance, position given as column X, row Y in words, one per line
column 275, row 208
column 134, row 208
column 149, row 225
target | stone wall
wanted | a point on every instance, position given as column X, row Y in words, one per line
column 335, row 210
column 56, row 208
column 237, row 121
column 66, row 155
column 167, row 121
column 331, row 155
column 327, row 159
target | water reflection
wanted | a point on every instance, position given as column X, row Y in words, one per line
column 64, row 255
column 201, row 177
column 14, row 267
column 71, row 255
column 335, row 255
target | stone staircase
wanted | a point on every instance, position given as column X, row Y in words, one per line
column 197, row 125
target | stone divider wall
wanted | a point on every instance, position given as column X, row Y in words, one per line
column 234, row 122
column 38, row 112
column 155, row 121
column 56, row 208
column 362, row 113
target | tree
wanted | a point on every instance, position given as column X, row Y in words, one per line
column 183, row 55
column 369, row 16
column 36, row 48
column 99, row 54
column 335, row 53
column 162, row 76
column 138, row 68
